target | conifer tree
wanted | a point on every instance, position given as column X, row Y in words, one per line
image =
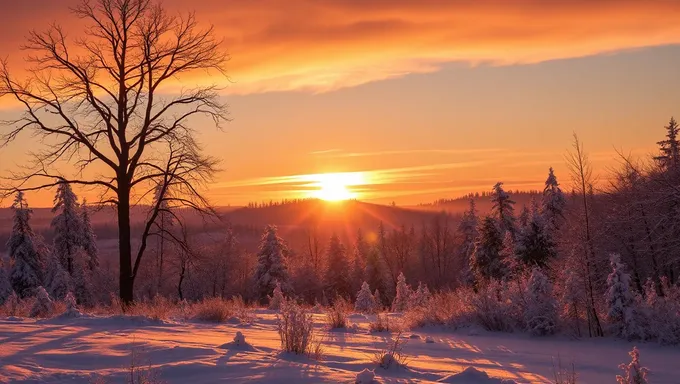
column 271, row 264
column 359, row 261
column 27, row 264
column 553, row 202
column 375, row 275
column 277, row 299
column 5, row 286
column 420, row 298
column 67, row 226
column 486, row 262
column 338, row 273
column 401, row 300
column 619, row 299
column 89, row 239
column 503, row 208
column 535, row 245
column 82, row 281
column 43, row 305
column 365, row 303
column 378, row 300
column 467, row 230
column 670, row 147
column 57, row 281
column 540, row 314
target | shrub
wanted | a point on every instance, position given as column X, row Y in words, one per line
column 380, row 324
column 213, row 309
column 564, row 375
column 633, row 372
column 242, row 311
column 392, row 356
column 296, row 329
column 43, row 305
column 336, row 316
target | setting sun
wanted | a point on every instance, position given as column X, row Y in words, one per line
column 337, row 186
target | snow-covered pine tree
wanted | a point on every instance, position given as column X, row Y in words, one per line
column 338, row 279
column 571, row 299
column 540, row 313
column 378, row 300
column 619, row 299
column 359, row 260
column 271, row 265
column 467, row 230
column 633, row 372
column 401, row 300
column 57, row 281
column 508, row 255
column 27, row 264
column 375, row 274
column 66, row 225
column 670, row 147
column 43, row 305
column 82, row 280
column 420, row 298
column 523, row 218
column 88, row 240
column 535, row 245
column 12, row 304
column 365, row 302
column 553, row 202
column 5, row 286
column 277, row 299
column 486, row 262
column 503, row 208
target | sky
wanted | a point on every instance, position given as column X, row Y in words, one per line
column 413, row 100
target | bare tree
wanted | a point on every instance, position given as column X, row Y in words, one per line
column 100, row 102
column 582, row 177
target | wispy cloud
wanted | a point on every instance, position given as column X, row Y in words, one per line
column 327, row 45
column 461, row 151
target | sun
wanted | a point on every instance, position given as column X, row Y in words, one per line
column 337, row 186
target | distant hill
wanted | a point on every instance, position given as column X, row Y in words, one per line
column 483, row 201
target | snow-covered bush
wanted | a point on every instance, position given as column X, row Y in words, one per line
column 659, row 316
column 71, row 307
column 365, row 302
column 5, row 286
column 420, row 298
column 378, row 301
column 540, row 314
column 296, row 329
column 43, row 305
column 380, row 324
column 244, row 313
column 633, row 373
column 57, row 281
column 336, row 315
column 277, row 298
column 392, row 357
column 491, row 308
column 401, row 300
column 239, row 339
column 619, row 299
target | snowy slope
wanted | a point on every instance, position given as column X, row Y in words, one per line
column 99, row 349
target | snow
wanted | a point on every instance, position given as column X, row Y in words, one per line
column 78, row 350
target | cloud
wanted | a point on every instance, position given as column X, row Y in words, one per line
column 320, row 46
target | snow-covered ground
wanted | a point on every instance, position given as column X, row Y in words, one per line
column 100, row 349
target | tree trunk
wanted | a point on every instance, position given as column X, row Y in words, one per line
column 126, row 279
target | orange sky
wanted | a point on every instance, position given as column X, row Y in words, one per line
column 433, row 98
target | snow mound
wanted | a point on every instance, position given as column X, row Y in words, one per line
column 429, row 340
column 472, row 375
column 365, row 377
column 414, row 336
column 239, row 342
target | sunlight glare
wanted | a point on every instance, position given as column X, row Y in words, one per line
column 337, row 186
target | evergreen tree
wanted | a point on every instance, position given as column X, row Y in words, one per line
column 508, row 256
column 421, row 297
column 553, row 202
column 82, row 281
column 535, row 245
column 378, row 300
column 57, row 281
column 5, row 286
column 540, row 314
column 375, row 276
column 619, row 299
column 486, row 262
column 27, row 264
column 524, row 216
column 43, row 305
column 277, row 299
column 365, row 303
column 401, row 300
column 67, row 226
column 467, row 230
column 571, row 299
column 338, row 273
column 503, row 208
column 359, row 262
column 89, row 239
column 670, row 147
column 271, row 264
